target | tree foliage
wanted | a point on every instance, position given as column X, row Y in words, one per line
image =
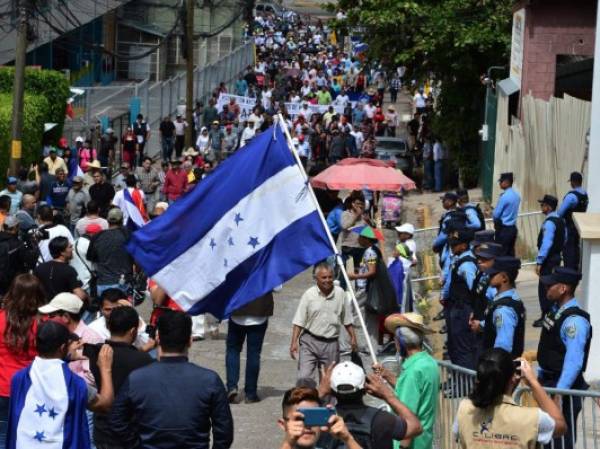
column 452, row 42
column 35, row 112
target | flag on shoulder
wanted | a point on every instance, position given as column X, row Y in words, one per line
column 47, row 408
column 248, row 227
column 131, row 202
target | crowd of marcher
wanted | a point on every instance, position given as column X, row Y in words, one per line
column 80, row 368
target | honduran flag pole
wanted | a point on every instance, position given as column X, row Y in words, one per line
column 338, row 256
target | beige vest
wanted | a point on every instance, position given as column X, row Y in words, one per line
column 503, row 426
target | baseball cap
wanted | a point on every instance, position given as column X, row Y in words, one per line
column 11, row 221
column 77, row 179
column 576, row 176
column 406, row 228
column 52, row 334
column 67, row 302
column 460, row 236
column 115, row 215
column 486, row 235
column 52, row 150
column 489, row 250
column 347, row 378
column 93, row 228
column 550, row 200
column 11, row 180
column 504, row 264
column 562, row 275
column 79, row 139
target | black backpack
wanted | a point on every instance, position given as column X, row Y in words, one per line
column 480, row 215
column 359, row 422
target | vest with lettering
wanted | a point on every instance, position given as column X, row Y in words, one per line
column 581, row 206
column 489, row 330
column 552, row 350
column 504, row 425
column 459, row 289
column 559, row 236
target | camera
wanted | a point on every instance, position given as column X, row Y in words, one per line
column 38, row 234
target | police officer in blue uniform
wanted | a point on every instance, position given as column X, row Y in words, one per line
column 475, row 218
column 453, row 218
column 551, row 241
column 574, row 201
column 504, row 323
column 564, row 345
column 459, row 295
column 506, row 213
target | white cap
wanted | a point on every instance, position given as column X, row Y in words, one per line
column 347, row 378
column 78, row 139
column 67, row 302
column 406, row 227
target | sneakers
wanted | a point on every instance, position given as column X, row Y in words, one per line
column 232, row 396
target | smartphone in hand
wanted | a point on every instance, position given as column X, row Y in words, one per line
column 316, row 416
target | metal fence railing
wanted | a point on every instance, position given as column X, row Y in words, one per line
column 457, row 382
column 528, row 225
column 157, row 99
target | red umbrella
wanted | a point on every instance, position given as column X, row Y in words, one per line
column 358, row 174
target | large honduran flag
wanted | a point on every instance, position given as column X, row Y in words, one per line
column 47, row 408
column 248, row 227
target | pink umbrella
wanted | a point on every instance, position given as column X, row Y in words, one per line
column 357, row 174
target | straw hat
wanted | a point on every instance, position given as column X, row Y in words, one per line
column 411, row 320
column 94, row 164
column 191, row 151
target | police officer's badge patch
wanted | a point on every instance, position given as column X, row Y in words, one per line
column 498, row 321
column 571, row 331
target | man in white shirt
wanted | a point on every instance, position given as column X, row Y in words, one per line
column 112, row 298
column 248, row 133
column 46, row 224
column 419, row 101
column 370, row 110
column 438, row 165
column 358, row 136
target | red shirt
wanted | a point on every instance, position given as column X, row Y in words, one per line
column 11, row 362
column 175, row 184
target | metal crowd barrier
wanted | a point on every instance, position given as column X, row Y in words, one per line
column 457, row 382
column 528, row 224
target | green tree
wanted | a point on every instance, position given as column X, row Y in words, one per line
column 452, row 43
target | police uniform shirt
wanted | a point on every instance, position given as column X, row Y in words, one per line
column 505, row 320
column 442, row 237
column 507, row 208
column 570, row 202
column 574, row 334
column 446, row 265
column 467, row 270
column 473, row 221
column 548, row 230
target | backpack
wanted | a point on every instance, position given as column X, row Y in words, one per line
column 359, row 422
column 480, row 215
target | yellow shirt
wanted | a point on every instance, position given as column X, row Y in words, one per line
column 55, row 164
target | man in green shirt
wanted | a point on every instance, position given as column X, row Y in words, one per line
column 323, row 96
column 418, row 385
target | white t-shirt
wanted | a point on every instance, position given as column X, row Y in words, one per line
column 370, row 111
column 99, row 326
column 54, row 231
column 80, row 262
column 180, row 127
column 419, row 100
column 247, row 134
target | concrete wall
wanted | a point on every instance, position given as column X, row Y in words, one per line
column 554, row 28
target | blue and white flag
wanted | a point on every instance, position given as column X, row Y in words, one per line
column 47, row 408
column 248, row 227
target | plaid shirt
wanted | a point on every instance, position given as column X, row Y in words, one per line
column 146, row 178
column 395, row 83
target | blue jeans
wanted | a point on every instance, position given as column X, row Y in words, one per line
column 3, row 420
column 167, row 148
column 438, row 167
column 254, row 336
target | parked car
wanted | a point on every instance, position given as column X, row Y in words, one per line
column 395, row 149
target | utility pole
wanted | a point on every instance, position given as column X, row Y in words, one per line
column 18, row 90
column 189, row 88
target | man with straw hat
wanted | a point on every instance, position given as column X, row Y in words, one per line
column 419, row 382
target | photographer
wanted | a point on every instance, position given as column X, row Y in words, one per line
column 47, row 231
column 13, row 254
column 491, row 414
column 297, row 434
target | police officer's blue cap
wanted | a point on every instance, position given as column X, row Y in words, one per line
column 489, row 250
column 487, row 235
column 506, row 177
column 562, row 275
column 504, row 264
column 550, row 200
column 449, row 196
column 460, row 236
